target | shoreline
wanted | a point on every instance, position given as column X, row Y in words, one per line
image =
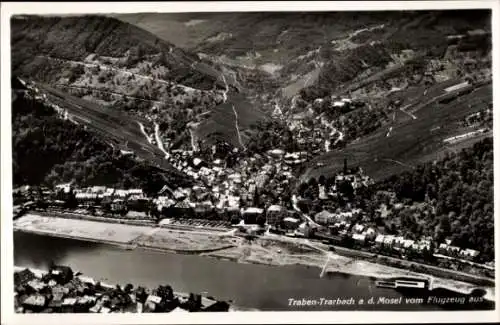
column 271, row 251
column 371, row 274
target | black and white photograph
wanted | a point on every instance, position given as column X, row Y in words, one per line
column 184, row 161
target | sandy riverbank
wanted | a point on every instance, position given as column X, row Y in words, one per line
column 123, row 235
column 270, row 250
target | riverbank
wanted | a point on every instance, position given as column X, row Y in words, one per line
column 277, row 255
column 126, row 236
column 269, row 250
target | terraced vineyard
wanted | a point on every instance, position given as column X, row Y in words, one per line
column 410, row 142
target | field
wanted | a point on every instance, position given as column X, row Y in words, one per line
column 222, row 121
column 411, row 141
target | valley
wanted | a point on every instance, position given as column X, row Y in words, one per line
column 336, row 128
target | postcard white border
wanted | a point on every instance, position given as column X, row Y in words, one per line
column 7, row 312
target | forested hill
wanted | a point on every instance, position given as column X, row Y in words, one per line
column 49, row 150
column 458, row 191
column 75, row 38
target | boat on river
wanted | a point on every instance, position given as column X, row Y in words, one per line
column 403, row 283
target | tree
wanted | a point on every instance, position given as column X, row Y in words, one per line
column 128, row 288
column 346, row 189
column 261, row 220
column 71, row 202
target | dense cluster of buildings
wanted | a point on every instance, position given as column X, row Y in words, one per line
column 316, row 132
column 61, row 291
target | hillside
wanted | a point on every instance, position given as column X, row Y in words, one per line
column 199, row 78
column 410, row 141
column 50, row 150
column 122, row 67
column 297, row 58
column 75, row 38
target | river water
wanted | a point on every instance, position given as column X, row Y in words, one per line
column 247, row 285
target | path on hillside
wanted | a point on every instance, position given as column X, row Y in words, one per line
column 296, row 208
column 159, row 142
column 105, row 67
column 109, row 92
column 238, row 128
column 193, row 142
column 333, row 131
column 141, row 126
column 125, row 72
column 399, row 163
column 224, row 94
column 403, row 109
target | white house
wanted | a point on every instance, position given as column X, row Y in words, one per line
column 360, row 238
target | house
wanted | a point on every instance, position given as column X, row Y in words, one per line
column 62, row 274
column 359, row 238
column 408, row 243
column 35, row 302
column 120, row 193
column 57, row 300
column 136, row 215
column 250, row 215
column 86, row 196
column 69, row 302
column 398, row 241
column 97, row 189
column 23, row 277
column 199, row 163
column 322, row 193
column 389, row 241
column 358, row 228
column 324, row 217
column 278, row 153
column 219, row 306
column 291, row 223
column 36, row 285
column 370, row 234
column 179, row 194
column 275, row 214
column 66, row 188
column 233, row 214
column 379, row 241
column 304, row 230
column 469, row 253
column 96, row 308
column 118, row 205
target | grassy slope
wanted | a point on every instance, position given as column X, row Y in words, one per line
column 222, row 120
column 410, row 142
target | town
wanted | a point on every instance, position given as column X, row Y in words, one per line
column 365, row 153
column 61, row 290
column 254, row 206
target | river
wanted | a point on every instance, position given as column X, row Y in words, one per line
column 247, row 285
